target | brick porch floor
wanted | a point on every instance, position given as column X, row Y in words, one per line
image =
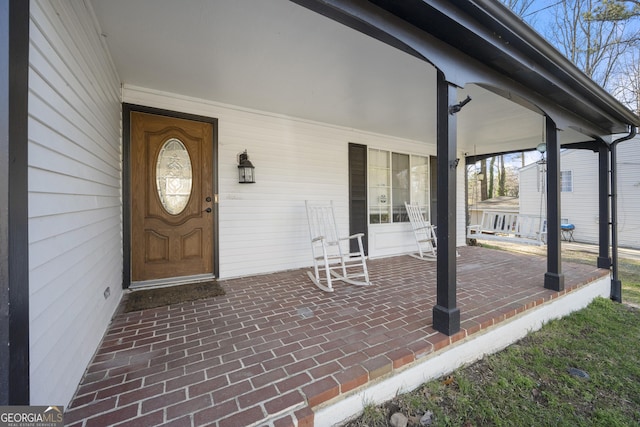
column 274, row 347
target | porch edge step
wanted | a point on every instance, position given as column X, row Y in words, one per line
column 462, row 351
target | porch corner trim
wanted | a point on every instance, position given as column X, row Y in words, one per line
column 14, row 234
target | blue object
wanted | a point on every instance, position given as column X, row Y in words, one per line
column 567, row 232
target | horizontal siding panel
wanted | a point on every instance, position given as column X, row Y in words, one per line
column 75, row 223
column 50, row 226
column 60, row 285
column 81, row 74
column 45, row 204
column 56, row 350
column 67, row 125
column 629, row 193
column 48, row 182
column 48, row 82
column 58, row 163
column 60, row 244
column 60, row 141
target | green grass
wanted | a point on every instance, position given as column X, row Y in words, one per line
column 529, row 384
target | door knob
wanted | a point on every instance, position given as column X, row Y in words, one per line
column 208, row 210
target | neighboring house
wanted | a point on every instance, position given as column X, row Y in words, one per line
column 579, row 190
column 505, row 204
column 349, row 101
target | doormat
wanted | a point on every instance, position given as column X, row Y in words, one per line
column 158, row 297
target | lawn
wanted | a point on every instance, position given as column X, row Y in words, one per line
column 582, row 370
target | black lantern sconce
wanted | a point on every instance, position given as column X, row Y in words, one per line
column 246, row 171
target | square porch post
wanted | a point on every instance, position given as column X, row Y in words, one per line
column 446, row 316
column 604, row 260
column 14, row 238
column 553, row 278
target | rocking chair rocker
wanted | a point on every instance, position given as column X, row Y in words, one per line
column 424, row 232
column 329, row 252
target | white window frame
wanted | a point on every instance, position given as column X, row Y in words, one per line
column 566, row 184
column 566, row 181
column 375, row 191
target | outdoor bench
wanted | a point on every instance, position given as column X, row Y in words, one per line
column 510, row 227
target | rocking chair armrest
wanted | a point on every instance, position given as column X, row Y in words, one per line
column 353, row 236
column 317, row 239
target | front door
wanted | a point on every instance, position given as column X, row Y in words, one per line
column 172, row 200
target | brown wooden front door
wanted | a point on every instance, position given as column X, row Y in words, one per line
column 172, row 215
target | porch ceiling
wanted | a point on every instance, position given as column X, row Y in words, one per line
column 276, row 56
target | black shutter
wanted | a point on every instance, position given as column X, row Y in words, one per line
column 358, row 194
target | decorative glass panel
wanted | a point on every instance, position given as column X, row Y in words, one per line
column 173, row 176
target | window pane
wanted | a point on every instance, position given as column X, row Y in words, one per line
column 566, row 181
column 400, row 179
column 420, row 183
column 379, row 187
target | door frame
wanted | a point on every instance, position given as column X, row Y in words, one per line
column 127, row 109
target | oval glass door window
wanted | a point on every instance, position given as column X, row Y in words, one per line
column 174, row 176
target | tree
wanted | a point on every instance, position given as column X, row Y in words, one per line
column 492, row 163
column 502, row 177
column 594, row 45
column 614, row 10
column 484, row 193
column 626, row 84
column 594, row 34
column 519, row 7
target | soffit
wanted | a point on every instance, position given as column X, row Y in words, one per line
column 276, row 56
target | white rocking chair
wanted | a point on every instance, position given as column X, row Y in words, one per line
column 424, row 232
column 329, row 251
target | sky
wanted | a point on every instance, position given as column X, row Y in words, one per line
column 540, row 15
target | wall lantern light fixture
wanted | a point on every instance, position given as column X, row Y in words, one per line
column 246, row 170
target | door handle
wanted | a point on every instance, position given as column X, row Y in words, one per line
column 208, row 210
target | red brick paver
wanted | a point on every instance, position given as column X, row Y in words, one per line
column 275, row 346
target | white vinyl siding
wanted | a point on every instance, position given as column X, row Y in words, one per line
column 263, row 226
column 580, row 204
column 629, row 193
column 75, row 246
